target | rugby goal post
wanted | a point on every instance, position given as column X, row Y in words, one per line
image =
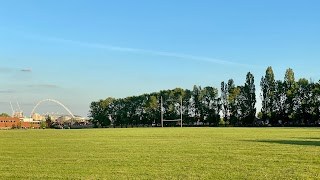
column 171, row 120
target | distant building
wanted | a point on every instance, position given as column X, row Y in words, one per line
column 38, row 117
column 8, row 123
column 80, row 119
column 64, row 119
column 54, row 117
column 26, row 119
column 18, row 115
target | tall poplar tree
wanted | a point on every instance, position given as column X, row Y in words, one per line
column 224, row 101
column 290, row 86
column 249, row 98
column 267, row 85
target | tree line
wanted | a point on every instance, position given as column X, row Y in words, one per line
column 200, row 106
column 289, row 102
column 286, row 102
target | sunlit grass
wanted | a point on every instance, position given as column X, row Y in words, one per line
column 161, row 153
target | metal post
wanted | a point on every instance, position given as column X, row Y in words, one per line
column 181, row 111
column 161, row 113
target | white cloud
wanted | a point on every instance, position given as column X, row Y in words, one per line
column 145, row 52
column 43, row 86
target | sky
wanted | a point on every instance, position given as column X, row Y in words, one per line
column 79, row 51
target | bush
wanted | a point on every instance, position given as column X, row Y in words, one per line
column 222, row 122
column 43, row 124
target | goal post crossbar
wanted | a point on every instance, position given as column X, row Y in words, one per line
column 171, row 120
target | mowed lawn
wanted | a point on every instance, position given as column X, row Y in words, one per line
column 161, row 153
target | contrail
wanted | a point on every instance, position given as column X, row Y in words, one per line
column 145, row 52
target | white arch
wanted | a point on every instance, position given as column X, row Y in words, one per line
column 52, row 100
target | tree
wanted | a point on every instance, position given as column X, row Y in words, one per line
column 290, row 87
column 224, row 100
column 43, row 124
column 19, row 125
column 234, row 103
column 171, row 103
column 152, row 109
column 121, row 115
column 196, row 106
column 5, row 115
column 285, row 102
column 210, row 105
column 131, row 103
column 186, row 107
column 303, row 101
column 267, row 85
column 248, row 94
column 315, row 102
column 49, row 121
column 279, row 103
column 101, row 111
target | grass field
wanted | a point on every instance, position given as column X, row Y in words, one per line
column 161, row 153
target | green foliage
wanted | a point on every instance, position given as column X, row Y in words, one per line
column 249, row 97
column 268, row 86
column 49, row 122
column 196, row 101
column 161, row 153
column 199, row 104
column 234, row 102
column 5, row 115
column 222, row 122
column 225, row 94
column 292, row 102
column 19, row 125
column 43, row 124
column 238, row 103
column 284, row 102
column 210, row 105
column 100, row 111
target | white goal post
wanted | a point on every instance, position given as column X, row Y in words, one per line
column 171, row 120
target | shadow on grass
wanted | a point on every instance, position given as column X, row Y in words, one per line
column 291, row 142
column 307, row 138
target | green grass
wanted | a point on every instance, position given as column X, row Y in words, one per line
column 161, row 153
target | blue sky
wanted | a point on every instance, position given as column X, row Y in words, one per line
column 79, row 51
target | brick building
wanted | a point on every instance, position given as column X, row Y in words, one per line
column 8, row 123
